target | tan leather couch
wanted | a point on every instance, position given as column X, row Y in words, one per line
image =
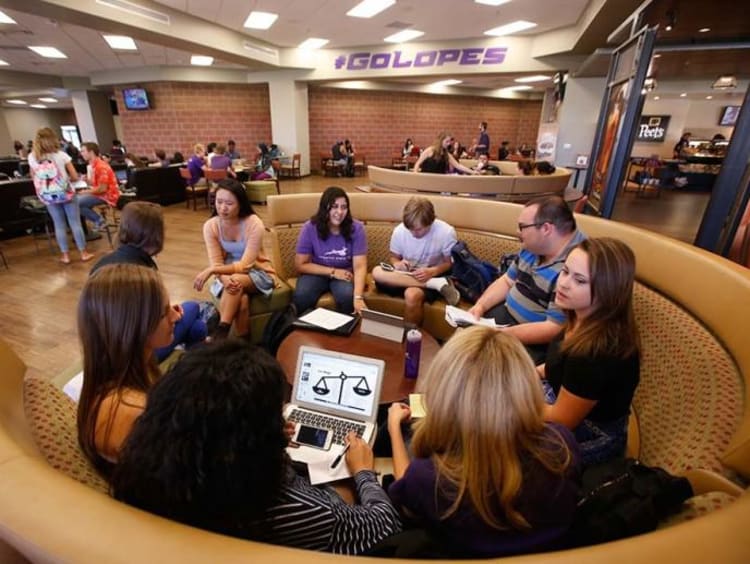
column 690, row 309
column 507, row 187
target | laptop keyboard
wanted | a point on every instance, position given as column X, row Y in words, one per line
column 340, row 427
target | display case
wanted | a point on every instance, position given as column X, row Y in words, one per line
column 701, row 161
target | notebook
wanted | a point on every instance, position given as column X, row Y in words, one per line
column 337, row 392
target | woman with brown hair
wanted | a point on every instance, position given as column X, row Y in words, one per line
column 124, row 314
column 489, row 476
column 592, row 372
column 437, row 158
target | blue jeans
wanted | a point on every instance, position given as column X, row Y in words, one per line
column 311, row 286
column 189, row 330
column 87, row 202
column 59, row 213
column 502, row 316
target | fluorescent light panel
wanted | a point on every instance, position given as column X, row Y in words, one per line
column 369, row 8
column 201, row 61
column 404, row 36
column 4, row 63
column 508, row 29
column 517, row 88
column 312, row 43
column 492, row 2
column 49, row 52
column 122, row 42
column 535, row 78
column 260, row 20
column 16, row 102
column 6, row 19
column 48, row 100
column 448, row 82
column 38, row 106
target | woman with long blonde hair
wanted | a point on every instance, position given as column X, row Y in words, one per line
column 489, row 476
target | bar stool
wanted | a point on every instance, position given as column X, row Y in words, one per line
column 192, row 190
column 212, row 176
column 105, row 210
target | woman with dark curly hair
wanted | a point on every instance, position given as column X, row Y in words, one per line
column 209, row 451
column 331, row 256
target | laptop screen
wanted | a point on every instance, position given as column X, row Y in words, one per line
column 332, row 381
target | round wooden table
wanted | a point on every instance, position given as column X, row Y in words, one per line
column 395, row 386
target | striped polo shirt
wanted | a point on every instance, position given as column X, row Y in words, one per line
column 531, row 298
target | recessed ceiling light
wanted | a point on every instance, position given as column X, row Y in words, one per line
column 657, row 98
column 312, row 43
column 4, row 63
column 492, row 2
column 709, row 97
column 369, row 8
column 5, row 18
column 535, row 78
column 448, row 82
column 260, row 20
column 704, row 30
column 510, row 28
column 683, row 94
column 404, row 36
column 16, row 102
column 657, row 55
column 38, row 106
column 516, row 88
column 120, row 42
column 49, row 52
column 201, row 61
column 48, row 100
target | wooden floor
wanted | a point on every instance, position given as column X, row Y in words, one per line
column 39, row 296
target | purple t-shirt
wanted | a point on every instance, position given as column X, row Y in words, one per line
column 220, row 162
column 335, row 251
column 195, row 166
column 547, row 501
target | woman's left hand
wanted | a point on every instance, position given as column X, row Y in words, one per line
column 200, row 279
column 359, row 305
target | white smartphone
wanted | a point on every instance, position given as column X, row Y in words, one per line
column 216, row 288
column 313, row 436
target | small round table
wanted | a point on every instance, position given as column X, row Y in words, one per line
column 395, row 386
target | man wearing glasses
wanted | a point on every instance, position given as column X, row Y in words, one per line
column 523, row 298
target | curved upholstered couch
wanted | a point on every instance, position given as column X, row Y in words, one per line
column 509, row 186
column 692, row 409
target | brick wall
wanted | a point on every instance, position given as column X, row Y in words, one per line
column 378, row 123
column 187, row 113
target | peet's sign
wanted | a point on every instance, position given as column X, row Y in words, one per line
column 421, row 59
column 652, row 129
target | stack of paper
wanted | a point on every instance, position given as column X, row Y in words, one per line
column 327, row 319
column 457, row 317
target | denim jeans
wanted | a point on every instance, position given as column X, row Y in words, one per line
column 311, row 286
column 189, row 330
column 87, row 202
column 59, row 213
column 502, row 316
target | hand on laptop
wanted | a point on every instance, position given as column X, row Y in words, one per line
column 359, row 456
column 289, row 430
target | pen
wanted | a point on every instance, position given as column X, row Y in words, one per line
column 340, row 456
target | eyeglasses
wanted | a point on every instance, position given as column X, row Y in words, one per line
column 522, row 226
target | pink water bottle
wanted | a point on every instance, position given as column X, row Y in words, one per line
column 413, row 351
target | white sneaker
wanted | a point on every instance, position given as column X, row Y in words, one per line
column 449, row 293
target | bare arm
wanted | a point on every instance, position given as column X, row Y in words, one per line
column 72, row 172
column 534, row 333
column 359, row 262
column 398, row 413
column 458, row 166
column 492, row 296
column 569, row 409
column 425, row 154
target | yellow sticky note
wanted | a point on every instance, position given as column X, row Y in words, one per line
column 416, row 406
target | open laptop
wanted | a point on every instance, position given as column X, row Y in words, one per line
column 334, row 392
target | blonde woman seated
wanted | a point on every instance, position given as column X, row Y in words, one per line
column 592, row 372
column 437, row 158
column 124, row 315
column 489, row 477
column 234, row 241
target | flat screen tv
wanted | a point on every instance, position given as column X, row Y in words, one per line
column 729, row 115
column 135, row 99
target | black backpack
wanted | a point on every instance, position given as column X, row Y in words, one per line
column 471, row 275
column 277, row 328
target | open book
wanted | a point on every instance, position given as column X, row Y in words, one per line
column 457, row 317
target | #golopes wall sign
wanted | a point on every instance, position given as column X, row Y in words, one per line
column 421, row 59
column 652, row 129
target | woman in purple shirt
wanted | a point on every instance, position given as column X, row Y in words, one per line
column 331, row 256
column 490, row 477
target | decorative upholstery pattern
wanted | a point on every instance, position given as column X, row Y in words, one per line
column 689, row 400
column 698, row 506
column 287, row 241
column 51, row 416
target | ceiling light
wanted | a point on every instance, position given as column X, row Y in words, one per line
column 16, row 102
column 5, row 18
column 312, row 43
column 48, row 100
column 120, row 42
column 492, row 2
column 656, row 98
column 704, row 30
column 510, row 28
column 4, row 63
column 404, row 36
column 49, row 52
column 709, row 97
column 136, row 10
column 517, row 88
column 201, row 61
column 671, row 20
column 260, row 20
column 683, row 94
column 369, row 8
column 535, row 78
column 725, row 81
column 448, row 82
column 657, row 55
column 649, row 84
column 38, row 106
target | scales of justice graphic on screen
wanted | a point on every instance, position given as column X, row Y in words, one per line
column 338, row 382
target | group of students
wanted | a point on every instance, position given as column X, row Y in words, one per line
column 491, row 470
column 217, row 156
